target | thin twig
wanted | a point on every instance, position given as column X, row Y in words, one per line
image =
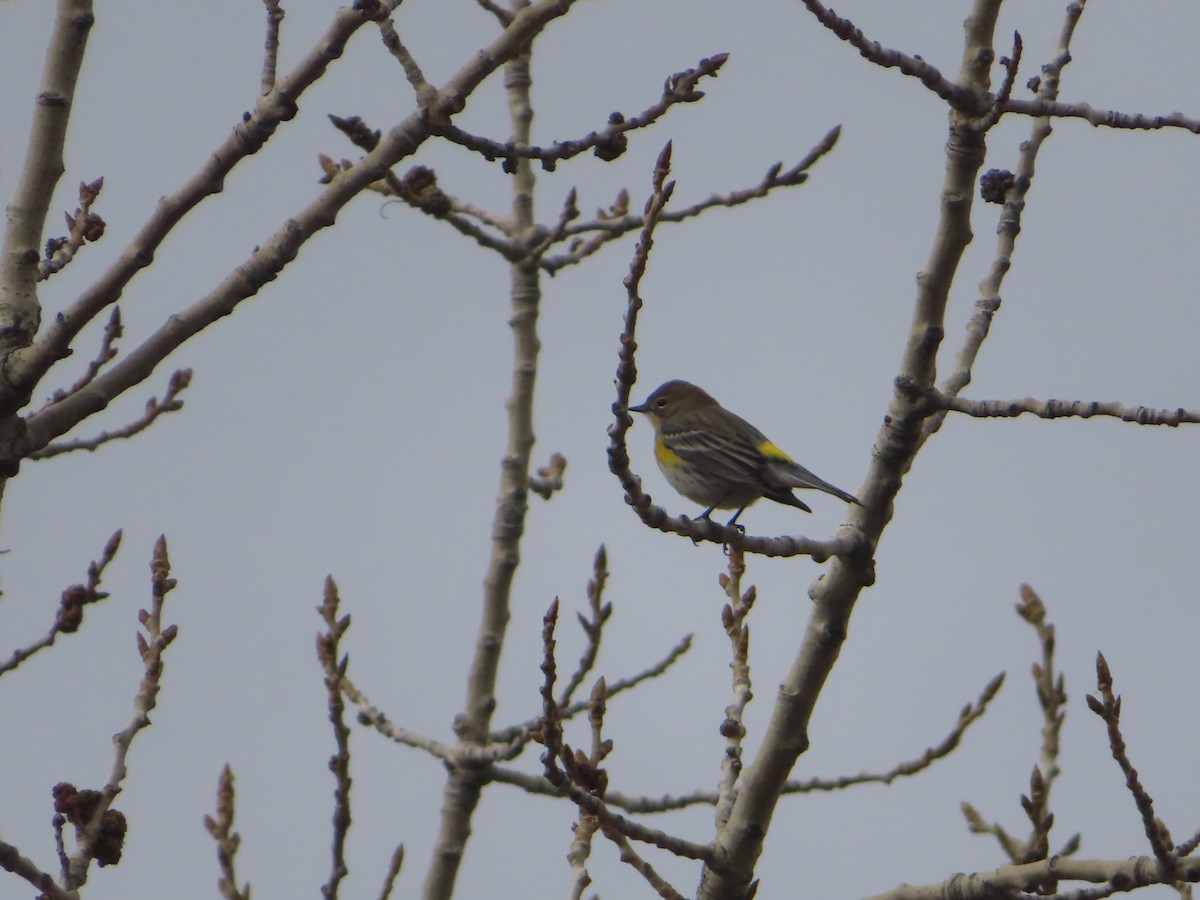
column 1052, row 700
column 1064, row 409
column 1107, row 118
column 969, row 714
column 412, row 71
column 914, row 66
column 373, row 717
column 169, row 403
column 228, row 840
column 99, row 835
column 1108, row 708
column 617, row 223
column 271, row 45
column 69, row 616
column 567, row 780
column 631, row 857
column 593, row 627
column 107, row 352
column 83, row 227
column 607, row 144
column 549, row 478
column 1012, row 65
column 503, row 16
column 335, row 664
column 733, row 728
column 393, row 872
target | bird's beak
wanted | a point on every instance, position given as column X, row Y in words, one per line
column 641, row 407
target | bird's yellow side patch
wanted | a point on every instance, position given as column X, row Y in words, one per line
column 664, row 454
column 770, row 451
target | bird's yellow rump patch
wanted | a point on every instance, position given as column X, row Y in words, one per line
column 770, row 451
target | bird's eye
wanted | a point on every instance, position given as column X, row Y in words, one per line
column 660, row 402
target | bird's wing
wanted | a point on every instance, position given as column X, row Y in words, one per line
column 725, row 456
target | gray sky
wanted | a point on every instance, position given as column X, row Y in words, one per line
column 348, row 420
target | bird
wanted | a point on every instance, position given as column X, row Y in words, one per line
column 716, row 458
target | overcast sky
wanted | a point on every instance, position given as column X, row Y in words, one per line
column 349, row 420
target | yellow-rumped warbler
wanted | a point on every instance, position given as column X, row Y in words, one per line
column 718, row 459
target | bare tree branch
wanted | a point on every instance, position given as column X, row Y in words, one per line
column 630, row 857
column 1107, row 118
column 169, row 403
column 593, row 627
column 609, row 228
column 83, row 227
column 107, row 352
column 955, row 94
column 608, row 144
column 228, row 840
column 503, row 16
column 270, row 45
column 733, row 728
column 549, row 477
column 27, row 367
column 1126, row 874
column 1063, row 409
column 335, row 664
column 11, row 860
column 70, row 611
column 20, row 313
column 393, row 872
column 577, row 781
column 373, row 717
column 1009, row 226
column 849, row 542
column 269, row 259
column 423, row 89
column 1108, row 708
column 99, row 829
column 739, row 845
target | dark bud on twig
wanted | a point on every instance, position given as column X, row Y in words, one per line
column 995, row 184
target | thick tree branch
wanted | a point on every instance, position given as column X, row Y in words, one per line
column 739, row 844
column 20, row 313
column 12, row 861
column 1009, row 225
